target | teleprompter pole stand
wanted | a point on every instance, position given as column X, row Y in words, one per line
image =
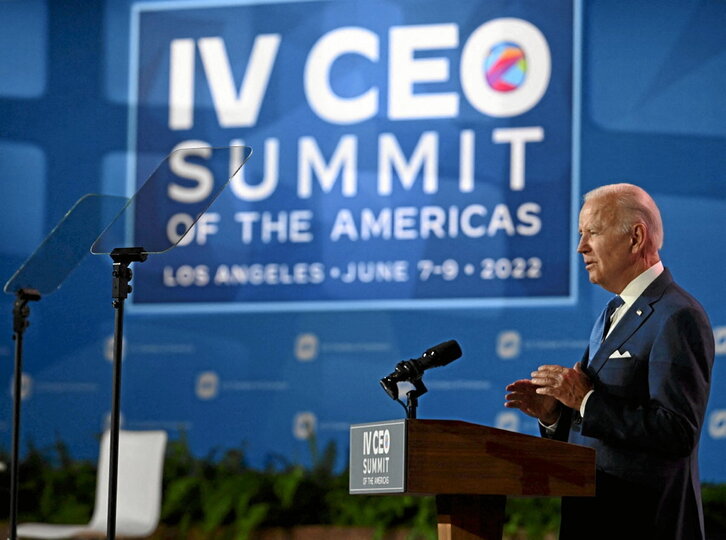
column 122, row 259
column 21, row 311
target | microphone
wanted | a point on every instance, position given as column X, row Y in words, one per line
column 439, row 355
column 412, row 370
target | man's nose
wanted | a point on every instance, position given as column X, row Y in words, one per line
column 582, row 246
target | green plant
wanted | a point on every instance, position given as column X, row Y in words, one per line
column 52, row 486
column 714, row 509
column 536, row 517
column 226, row 498
column 220, row 497
column 209, row 493
column 383, row 513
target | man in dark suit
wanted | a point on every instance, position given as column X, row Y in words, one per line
column 639, row 394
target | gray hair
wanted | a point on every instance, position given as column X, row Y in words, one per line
column 633, row 205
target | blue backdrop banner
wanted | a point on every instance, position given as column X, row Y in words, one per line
column 405, row 155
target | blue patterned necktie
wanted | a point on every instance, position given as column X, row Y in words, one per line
column 599, row 331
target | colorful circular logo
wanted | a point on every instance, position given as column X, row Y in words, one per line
column 505, row 67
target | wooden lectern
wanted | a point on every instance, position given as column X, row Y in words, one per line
column 469, row 468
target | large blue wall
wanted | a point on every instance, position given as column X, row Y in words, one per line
column 649, row 108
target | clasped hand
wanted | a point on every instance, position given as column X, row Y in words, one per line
column 549, row 385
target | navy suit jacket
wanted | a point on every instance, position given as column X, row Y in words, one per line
column 651, row 379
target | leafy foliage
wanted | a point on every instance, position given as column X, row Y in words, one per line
column 226, row 495
column 52, row 487
column 714, row 509
column 221, row 497
column 536, row 518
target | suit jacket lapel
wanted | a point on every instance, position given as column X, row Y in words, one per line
column 631, row 321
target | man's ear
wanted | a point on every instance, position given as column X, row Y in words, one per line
column 638, row 237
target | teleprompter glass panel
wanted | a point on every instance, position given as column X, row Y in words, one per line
column 173, row 198
column 67, row 244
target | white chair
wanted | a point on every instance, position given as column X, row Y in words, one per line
column 138, row 505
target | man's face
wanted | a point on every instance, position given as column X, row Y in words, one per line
column 606, row 250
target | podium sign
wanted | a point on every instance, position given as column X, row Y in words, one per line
column 377, row 457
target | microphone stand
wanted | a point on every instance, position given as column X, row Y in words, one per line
column 412, row 397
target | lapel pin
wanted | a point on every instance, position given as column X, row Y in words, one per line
column 639, row 312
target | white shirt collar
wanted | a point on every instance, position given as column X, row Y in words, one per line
column 633, row 290
column 636, row 287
